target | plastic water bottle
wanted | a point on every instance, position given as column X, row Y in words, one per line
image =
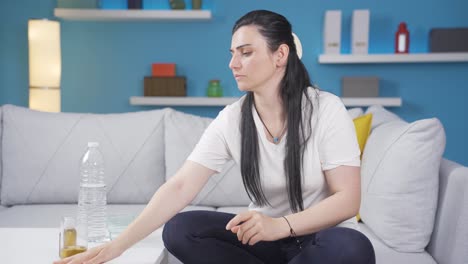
column 93, row 195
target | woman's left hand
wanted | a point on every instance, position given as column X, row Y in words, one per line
column 252, row 227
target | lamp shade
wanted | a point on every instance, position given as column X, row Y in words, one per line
column 47, row 100
column 44, row 65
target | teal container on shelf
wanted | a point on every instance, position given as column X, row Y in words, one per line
column 214, row 89
column 156, row 4
column 93, row 4
column 177, row 4
column 114, row 4
column 195, row 4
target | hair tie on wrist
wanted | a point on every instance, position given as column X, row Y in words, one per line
column 293, row 234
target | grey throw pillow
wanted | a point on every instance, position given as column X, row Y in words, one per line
column 400, row 182
column 42, row 152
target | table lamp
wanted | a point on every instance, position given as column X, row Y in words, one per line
column 44, row 65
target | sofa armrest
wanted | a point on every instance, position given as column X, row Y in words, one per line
column 449, row 241
column 1, row 148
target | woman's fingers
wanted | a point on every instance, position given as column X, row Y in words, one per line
column 235, row 229
column 67, row 260
column 242, row 217
column 252, row 231
column 81, row 258
column 255, row 239
column 95, row 255
column 62, row 261
column 97, row 259
column 248, row 226
column 243, row 228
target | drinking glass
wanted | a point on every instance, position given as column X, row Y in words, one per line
column 73, row 238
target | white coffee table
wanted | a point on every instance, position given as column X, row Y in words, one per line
column 40, row 245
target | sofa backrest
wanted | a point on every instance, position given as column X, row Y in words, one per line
column 449, row 240
column 42, row 152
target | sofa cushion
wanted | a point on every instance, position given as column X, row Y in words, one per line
column 399, row 179
column 380, row 115
column 49, row 215
column 182, row 132
column 42, row 152
column 386, row 255
column 232, row 210
column 355, row 112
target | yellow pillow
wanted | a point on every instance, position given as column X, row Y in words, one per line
column 363, row 127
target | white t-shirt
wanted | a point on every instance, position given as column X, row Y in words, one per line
column 332, row 143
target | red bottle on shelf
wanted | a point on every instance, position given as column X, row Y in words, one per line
column 402, row 39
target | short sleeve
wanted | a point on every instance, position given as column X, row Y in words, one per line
column 338, row 143
column 212, row 150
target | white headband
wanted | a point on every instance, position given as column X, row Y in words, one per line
column 298, row 44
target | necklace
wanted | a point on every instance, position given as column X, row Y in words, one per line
column 275, row 139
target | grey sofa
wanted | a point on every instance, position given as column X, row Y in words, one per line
column 39, row 175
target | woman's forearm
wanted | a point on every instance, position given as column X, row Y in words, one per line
column 343, row 203
column 169, row 199
column 327, row 213
column 156, row 213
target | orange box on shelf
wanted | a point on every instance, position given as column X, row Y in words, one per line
column 163, row 69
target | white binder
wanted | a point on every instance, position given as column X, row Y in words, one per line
column 332, row 32
column 360, row 32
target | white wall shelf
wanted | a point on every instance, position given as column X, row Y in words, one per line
column 182, row 101
column 130, row 15
column 393, row 58
column 368, row 101
column 222, row 101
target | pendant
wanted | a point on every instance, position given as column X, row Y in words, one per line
column 275, row 139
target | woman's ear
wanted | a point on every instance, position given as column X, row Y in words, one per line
column 281, row 55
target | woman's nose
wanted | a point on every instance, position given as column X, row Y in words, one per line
column 234, row 63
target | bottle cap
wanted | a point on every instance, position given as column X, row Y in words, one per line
column 93, row 144
column 402, row 26
column 68, row 222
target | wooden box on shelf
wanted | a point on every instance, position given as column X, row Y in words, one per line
column 165, row 86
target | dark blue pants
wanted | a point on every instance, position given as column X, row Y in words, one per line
column 201, row 237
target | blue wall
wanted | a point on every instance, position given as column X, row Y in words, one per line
column 104, row 62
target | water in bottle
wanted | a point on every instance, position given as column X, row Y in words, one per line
column 93, row 194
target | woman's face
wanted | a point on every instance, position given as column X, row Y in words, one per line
column 252, row 63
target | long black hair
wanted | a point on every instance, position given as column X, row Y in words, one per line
column 277, row 30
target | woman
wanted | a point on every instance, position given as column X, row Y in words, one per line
column 299, row 161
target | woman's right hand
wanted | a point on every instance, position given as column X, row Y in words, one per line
column 96, row 255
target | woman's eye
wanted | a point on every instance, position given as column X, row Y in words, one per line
column 246, row 54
